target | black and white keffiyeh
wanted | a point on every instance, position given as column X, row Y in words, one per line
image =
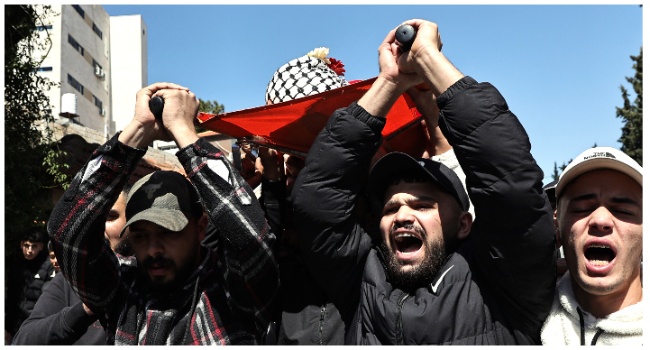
column 303, row 76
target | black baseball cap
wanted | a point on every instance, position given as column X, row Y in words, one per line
column 396, row 164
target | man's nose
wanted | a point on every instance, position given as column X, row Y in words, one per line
column 404, row 214
column 601, row 219
column 154, row 246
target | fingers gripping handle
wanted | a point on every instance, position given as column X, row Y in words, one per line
column 156, row 105
column 404, row 36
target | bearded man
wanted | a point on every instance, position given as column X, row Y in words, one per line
column 423, row 271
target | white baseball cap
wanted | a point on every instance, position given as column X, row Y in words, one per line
column 599, row 158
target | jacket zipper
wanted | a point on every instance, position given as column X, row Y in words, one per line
column 321, row 324
column 400, row 328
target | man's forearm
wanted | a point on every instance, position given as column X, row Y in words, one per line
column 253, row 277
column 379, row 99
column 76, row 225
column 436, row 70
column 63, row 327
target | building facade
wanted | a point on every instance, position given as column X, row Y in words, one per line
column 99, row 62
column 78, row 58
column 129, row 72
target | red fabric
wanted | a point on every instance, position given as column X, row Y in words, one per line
column 292, row 126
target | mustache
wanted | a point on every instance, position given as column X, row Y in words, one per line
column 159, row 260
column 408, row 226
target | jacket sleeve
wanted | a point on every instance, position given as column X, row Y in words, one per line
column 14, row 284
column 53, row 321
column 513, row 234
column 249, row 268
column 325, row 197
column 76, row 225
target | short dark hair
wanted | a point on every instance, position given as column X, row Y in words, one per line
column 35, row 234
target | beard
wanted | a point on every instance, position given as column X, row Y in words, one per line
column 435, row 255
column 124, row 248
column 159, row 284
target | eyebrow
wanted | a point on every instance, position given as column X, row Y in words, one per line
column 625, row 200
column 616, row 200
column 413, row 199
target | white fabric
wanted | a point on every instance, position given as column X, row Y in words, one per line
column 450, row 161
column 562, row 326
column 301, row 77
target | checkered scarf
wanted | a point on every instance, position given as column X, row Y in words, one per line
column 300, row 77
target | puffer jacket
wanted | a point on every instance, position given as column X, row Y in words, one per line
column 305, row 316
column 58, row 318
column 25, row 284
column 497, row 288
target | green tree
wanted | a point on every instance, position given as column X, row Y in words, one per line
column 632, row 113
column 557, row 171
column 212, row 107
column 31, row 159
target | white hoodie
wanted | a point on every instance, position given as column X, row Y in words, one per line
column 563, row 325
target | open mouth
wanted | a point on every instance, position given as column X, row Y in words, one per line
column 407, row 243
column 599, row 254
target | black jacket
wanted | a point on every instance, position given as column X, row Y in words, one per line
column 306, row 315
column 497, row 288
column 59, row 318
column 25, row 283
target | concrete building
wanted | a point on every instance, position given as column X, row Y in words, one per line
column 85, row 46
column 78, row 59
column 128, row 66
column 99, row 62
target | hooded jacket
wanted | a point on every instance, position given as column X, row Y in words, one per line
column 569, row 324
column 497, row 288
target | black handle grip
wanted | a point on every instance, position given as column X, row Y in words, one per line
column 156, row 105
column 236, row 156
column 404, row 36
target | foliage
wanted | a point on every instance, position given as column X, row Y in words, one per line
column 212, row 107
column 632, row 113
column 557, row 171
column 31, row 166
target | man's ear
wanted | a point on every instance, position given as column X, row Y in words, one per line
column 558, row 237
column 464, row 224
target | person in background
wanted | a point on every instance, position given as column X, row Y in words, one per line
column 52, row 257
column 561, row 268
column 599, row 219
column 306, row 315
column 425, row 272
column 59, row 317
column 30, row 272
column 181, row 292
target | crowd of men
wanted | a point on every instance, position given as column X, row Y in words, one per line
column 457, row 245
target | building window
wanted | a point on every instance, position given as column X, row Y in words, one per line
column 44, row 69
column 75, row 84
column 75, row 44
column 97, row 31
column 42, row 28
column 99, row 71
column 79, row 10
column 98, row 102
